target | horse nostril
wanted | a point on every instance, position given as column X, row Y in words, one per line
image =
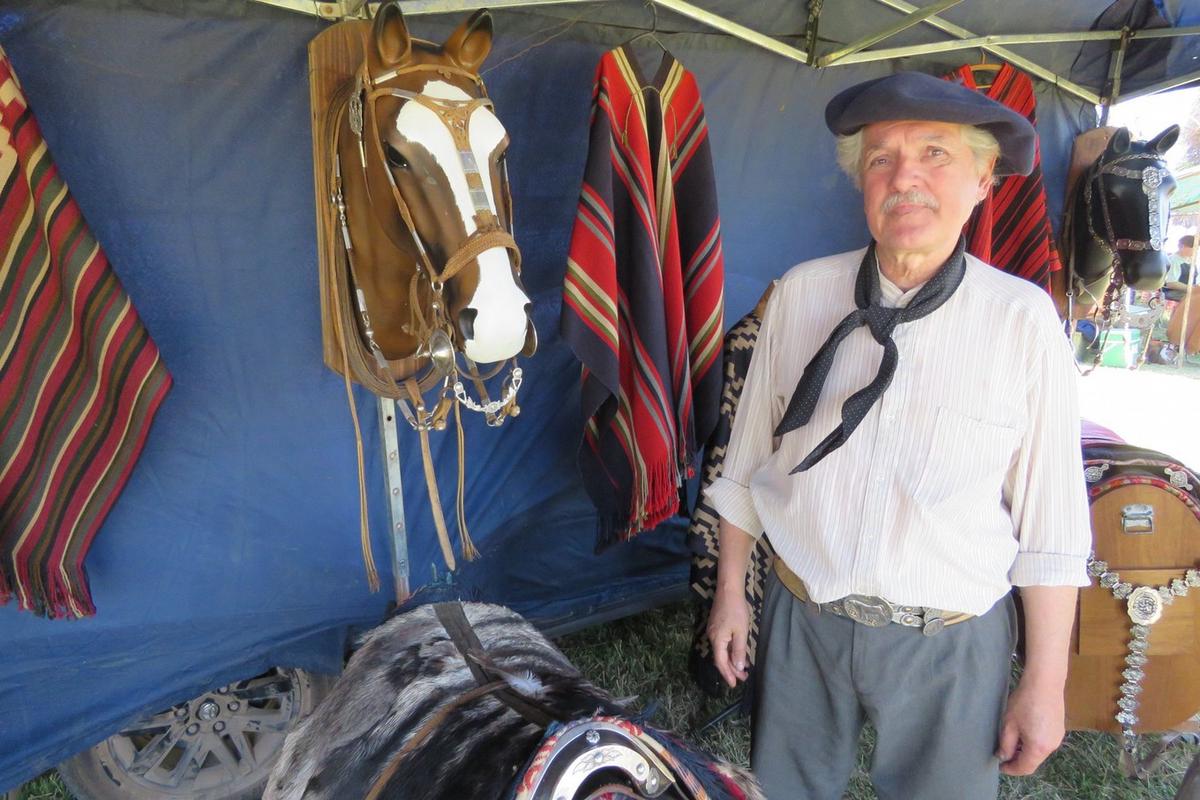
column 528, row 310
column 466, row 322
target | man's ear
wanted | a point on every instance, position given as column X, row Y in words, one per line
column 986, row 181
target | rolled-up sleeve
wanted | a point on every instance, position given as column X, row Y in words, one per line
column 750, row 439
column 1045, row 488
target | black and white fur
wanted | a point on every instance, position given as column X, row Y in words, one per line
column 403, row 673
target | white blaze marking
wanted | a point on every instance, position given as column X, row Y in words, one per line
column 499, row 330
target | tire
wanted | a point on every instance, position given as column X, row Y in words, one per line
column 218, row 746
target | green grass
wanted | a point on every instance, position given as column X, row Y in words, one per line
column 47, row 787
column 646, row 657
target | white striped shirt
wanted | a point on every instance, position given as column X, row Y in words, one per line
column 966, row 477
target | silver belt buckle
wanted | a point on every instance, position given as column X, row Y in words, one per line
column 874, row 612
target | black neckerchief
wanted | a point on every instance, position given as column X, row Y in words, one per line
column 882, row 321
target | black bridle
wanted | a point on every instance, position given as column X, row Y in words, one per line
column 1111, row 307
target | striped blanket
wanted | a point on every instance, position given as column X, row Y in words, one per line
column 80, row 379
column 1011, row 229
column 644, row 293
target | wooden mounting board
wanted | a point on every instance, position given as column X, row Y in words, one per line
column 333, row 57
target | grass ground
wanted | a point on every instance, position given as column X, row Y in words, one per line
column 646, row 656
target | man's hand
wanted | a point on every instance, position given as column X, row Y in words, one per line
column 1035, row 721
column 728, row 629
column 1033, row 728
column 729, row 620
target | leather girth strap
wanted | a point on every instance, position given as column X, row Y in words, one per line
column 462, row 635
column 459, row 629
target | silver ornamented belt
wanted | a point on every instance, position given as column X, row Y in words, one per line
column 874, row 612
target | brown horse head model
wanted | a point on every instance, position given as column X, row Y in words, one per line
column 419, row 258
column 427, row 206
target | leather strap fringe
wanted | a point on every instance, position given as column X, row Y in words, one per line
column 464, row 537
column 363, row 521
column 435, row 499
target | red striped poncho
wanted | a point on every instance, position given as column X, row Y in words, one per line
column 80, row 379
column 643, row 297
column 1011, row 229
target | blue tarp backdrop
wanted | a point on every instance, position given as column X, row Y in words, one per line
column 183, row 132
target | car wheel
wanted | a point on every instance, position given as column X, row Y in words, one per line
column 218, row 746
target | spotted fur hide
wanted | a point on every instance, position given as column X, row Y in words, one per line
column 408, row 671
column 405, row 671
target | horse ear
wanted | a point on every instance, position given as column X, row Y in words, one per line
column 1119, row 143
column 1165, row 140
column 470, row 44
column 390, row 34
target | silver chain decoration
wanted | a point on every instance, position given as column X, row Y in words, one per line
column 1145, row 606
column 511, row 385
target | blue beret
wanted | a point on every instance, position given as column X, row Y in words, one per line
column 917, row 96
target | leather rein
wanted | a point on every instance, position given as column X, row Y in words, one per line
column 489, row 680
column 434, row 332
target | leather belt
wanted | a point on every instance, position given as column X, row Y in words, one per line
column 874, row 612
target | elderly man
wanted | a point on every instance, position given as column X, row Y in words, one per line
column 908, row 438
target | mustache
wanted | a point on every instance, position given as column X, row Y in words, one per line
column 911, row 197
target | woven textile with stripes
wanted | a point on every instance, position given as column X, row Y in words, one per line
column 1011, row 229
column 80, row 379
column 644, row 293
column 703, row 536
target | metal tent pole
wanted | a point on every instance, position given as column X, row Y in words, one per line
column 911, row 19
column 1008, row 55
column 395, row 493
column 1187, row 305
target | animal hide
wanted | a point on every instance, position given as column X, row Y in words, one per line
column 403, row 706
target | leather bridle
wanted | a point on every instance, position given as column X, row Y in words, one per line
column 433, row 330
column 435, row 334
column 1111, row 306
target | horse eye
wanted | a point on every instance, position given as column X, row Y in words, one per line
column 394, row 157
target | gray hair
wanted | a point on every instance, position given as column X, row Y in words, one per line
column 850, row 151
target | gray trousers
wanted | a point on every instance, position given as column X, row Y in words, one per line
column 935, row 703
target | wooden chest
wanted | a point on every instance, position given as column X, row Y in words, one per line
column 1145, row 510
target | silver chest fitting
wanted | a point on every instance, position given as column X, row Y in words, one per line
column 1145, row 606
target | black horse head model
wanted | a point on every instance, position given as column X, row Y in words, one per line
column 1117, row 222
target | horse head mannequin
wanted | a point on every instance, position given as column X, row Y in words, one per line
column 427, row 199
column 1117, row 220
column 420, row 273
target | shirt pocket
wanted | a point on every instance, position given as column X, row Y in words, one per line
column 965, row 465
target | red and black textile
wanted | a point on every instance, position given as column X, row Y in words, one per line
column 1011, row 228
column 643, row 296
column 80, row 379
column 703, row 536
column 1110, row 463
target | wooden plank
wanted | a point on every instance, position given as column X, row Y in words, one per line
column 333, row 57
column 1171, row 686
column 1174, row 545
